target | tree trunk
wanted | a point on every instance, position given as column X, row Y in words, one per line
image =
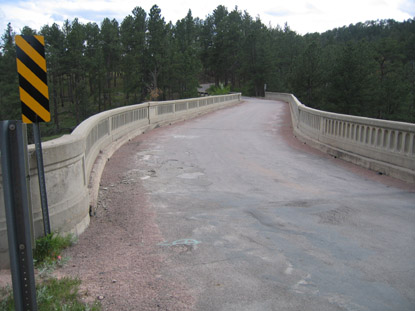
column 99, row 97
column 55, row 104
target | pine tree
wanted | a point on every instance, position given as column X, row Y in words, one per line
column 10, row 107
column 132, row 36
column 54, row 53
column 156, row 51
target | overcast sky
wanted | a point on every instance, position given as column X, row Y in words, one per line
column 302, row 16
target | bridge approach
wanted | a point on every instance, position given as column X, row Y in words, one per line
column 234, row 211
column 246, row 217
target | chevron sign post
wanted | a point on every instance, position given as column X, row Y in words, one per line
column 34, row 96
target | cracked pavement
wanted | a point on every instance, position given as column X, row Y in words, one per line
column 271, row 224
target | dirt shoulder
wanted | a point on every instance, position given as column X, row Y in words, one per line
column 117, row 257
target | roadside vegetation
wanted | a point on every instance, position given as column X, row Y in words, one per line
column 366, row 69
column 52, row 294
column 219, row 90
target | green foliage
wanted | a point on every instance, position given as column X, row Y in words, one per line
column 365, row 69
column 48, row 248
column 62, row 294
column 6, row 299
column 132, row 36
column 219, row 90
column 351, row 78
column 9, row 86
column 53, row 295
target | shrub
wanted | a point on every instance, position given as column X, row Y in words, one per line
column 219, row 90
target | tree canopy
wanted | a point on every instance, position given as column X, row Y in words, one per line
column 367, row 69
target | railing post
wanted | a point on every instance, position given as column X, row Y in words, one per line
column 322, row 127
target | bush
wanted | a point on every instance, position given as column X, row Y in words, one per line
column 219, row 90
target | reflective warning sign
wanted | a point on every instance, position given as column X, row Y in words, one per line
column 33, row 86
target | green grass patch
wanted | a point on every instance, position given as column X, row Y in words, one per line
column 49, row 248
column 53, row 295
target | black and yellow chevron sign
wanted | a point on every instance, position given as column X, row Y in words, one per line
column 33, row 85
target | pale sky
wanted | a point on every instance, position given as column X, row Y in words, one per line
column 302, row 16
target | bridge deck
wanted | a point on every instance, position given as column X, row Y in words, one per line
column 239, row 216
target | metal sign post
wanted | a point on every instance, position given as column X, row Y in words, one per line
column 17, row 215
column 42, row 182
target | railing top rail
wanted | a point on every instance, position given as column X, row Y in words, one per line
column 396, row 125
column 404, row 126
column 83, row 128
column 176, row 101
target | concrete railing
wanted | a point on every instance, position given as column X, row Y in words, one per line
column 384, row 146
column 74, row 163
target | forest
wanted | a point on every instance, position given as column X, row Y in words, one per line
column 366, row 69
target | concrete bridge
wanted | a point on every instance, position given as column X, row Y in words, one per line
column 251, row 217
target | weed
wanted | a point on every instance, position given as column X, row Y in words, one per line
column 6, row 298
column 46, row 268
column 48, row 248
column 51, row 293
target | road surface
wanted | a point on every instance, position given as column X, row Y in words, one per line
column 253, row 221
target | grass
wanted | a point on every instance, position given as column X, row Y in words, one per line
column 48, row 248
column 51, row 293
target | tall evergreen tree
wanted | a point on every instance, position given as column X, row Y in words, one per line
column 74, row 67
column 219, row 51
column 351, row 80
column 307, row 77
column 94, row 66
column 156, row 51
column 256, row 57
column 54, row 53
column 187, row 58
column 111, row 48
column 390, row 86
column 10, row 107
column 133, row 42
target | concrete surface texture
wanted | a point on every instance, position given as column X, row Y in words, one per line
column 384, row 146
column 73, row 163
column 254, row 220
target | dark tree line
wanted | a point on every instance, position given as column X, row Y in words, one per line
column 366, row 69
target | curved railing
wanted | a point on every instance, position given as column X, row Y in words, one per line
column 73, row 163
column 385, row 146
